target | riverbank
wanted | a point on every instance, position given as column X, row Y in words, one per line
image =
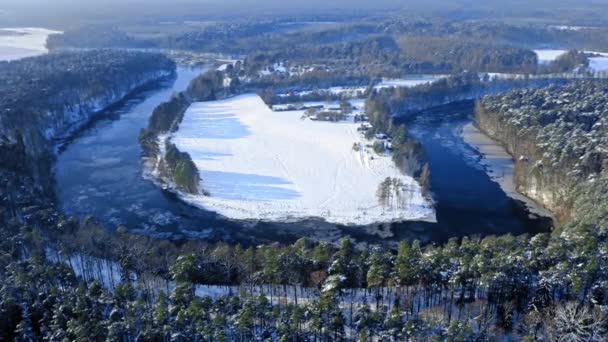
column 499, row 165
column 559, row 148
column 35, row 126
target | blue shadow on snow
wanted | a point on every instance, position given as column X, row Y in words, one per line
column 216, row 126
column 243, row 186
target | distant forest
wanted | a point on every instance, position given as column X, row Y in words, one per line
column 387, row 47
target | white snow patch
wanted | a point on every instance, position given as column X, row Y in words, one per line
column 548, row 56
column 569, row 28
column 357, row 91
column 599, row 63
column 408, row 82
column 17, row 43
column 275, row 166
column 358, row 105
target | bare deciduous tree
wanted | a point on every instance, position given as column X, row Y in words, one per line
column 573, row 322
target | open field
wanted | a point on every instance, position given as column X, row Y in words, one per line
column 260, row 164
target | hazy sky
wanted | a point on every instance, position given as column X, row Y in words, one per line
column 60, row 10
column 63, row 12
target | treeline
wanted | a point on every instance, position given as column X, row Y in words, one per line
column 240, row 37
column 472, row 289
column 173, row 165
column 407, row 151
column 181, row 168
column 449, row 55
column 394, row 56
column 557, row 134
column 501, row 33
column 60, row 77
column 404, row 101
column 96, row 37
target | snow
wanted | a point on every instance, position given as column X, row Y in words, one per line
column 17, row 43
column 349, row 91
column 410, row 81
column 276, row 166
column 599, row 63
column 357, row 104
column 547, row 56
column 354, row 91
column 277, row 68
column 569, row 28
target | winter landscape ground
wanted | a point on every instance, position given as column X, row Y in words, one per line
column 260, row 164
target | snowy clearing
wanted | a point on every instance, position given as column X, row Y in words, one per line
column 357, row 104
column 548, row 56
column 599, row 63
column 17, row 43
column 276, row 166
column 356, row 91
column 410, row 81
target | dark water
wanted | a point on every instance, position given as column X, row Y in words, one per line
column 467, row 199
column 99, row 172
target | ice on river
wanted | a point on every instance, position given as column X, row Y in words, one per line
column 276, row 166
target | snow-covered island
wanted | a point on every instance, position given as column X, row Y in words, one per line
column 260, row 164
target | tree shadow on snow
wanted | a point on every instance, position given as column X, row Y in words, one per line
column 214, row 126
column 198, row 155
column 250, row 187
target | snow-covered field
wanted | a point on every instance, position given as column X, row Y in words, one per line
column 17, row 43
column 276, row 166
